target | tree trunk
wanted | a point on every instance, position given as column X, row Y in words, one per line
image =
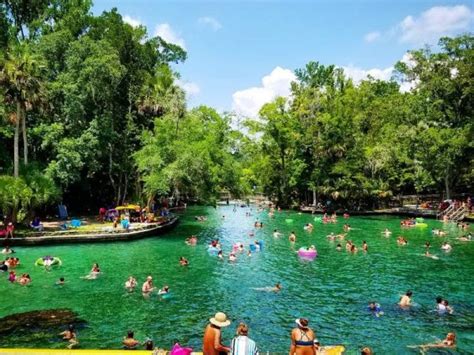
column 16, row 138
column 446, row 186
column 25, row 139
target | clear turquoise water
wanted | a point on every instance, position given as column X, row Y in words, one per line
column 332, row 291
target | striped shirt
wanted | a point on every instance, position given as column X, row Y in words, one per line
column 243, row 345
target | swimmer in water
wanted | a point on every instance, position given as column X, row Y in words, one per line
column 164, row 290
column 405, row 300
column 402, row 241
column 70, row 336
column 308, row 227
column 276, row 234
column 249, row 253
column 130, row 284
column 232, row 257
column 375, row 309
column 220, row 255
column 331, row 236
column 387, row 232
column 276, row 288
column 61, row 281
column 339, row 247
column 147, row 287
column 24, row 280
column 365, row 247
column 7, row 250
column 292, row 237
column 429, row 255
column 347, row 227
column 183, row 261
column 449, row 342
column 446, row 247
column 353, row 249
column 94, row 273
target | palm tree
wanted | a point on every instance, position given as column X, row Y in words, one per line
column 21, row 80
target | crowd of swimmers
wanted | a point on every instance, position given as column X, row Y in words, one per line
column 303, row 339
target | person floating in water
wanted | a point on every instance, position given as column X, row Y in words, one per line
column 387, row 232
column 405, row 300
column 449, row 342
column 183, row 261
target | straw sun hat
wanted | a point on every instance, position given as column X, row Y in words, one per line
column 220, row 320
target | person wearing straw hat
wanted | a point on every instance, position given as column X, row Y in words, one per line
column 212, row 344
column 302, row 339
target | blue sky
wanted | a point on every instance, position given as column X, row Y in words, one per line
column 233, row 45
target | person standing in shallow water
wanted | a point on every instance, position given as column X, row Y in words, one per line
column 212, row 343
column 302, row 339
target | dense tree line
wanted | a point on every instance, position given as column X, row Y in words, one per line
column 360, row 145
column 91, row 114
column 81, row 96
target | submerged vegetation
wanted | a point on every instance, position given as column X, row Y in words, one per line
column 95, row 105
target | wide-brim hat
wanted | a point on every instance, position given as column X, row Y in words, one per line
column 220, row 320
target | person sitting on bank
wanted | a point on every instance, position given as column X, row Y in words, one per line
column 242, row 344
column 302, row 339
column 212, row 343
column 37, row 225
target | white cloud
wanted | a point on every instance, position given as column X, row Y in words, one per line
column 359, row 74
column 131, row 21
column 165, row 31
column 211, row 22
column 248, row 102
column 434, row 23
column 191, row 89
column 372, row 36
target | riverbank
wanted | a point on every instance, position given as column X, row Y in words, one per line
column 149, row 230
column 398, row 211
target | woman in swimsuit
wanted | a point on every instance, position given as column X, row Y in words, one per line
column 302, row 339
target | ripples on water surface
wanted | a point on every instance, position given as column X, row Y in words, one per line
column 332, row 291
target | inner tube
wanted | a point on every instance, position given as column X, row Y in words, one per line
column 419, row 220
column 307, row 254
column 166, row 296
column 40, row 261
column 318, row 219
column 288, row 220
column 421, row 225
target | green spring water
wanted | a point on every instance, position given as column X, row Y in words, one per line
column 332, row 291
